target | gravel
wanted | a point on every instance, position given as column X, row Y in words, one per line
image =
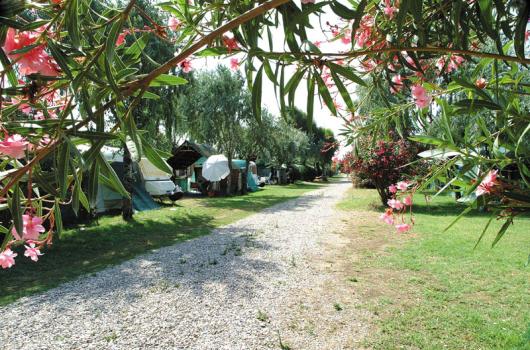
column 241, row 287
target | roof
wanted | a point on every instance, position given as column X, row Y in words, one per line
column 188, row 153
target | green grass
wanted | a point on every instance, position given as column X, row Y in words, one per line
column 88, row 249
column 447, row 294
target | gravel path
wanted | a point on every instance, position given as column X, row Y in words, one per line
column 255, row 284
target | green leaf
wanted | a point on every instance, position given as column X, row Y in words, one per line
column 357, row 20
column 93, row 184
column 478, row 103
column 484, row 231
column 59, row 57
column 324, row 93
column 464, row 212
column 520, row 29
column 110, row 43
column 72, row 23
column 58, row 218
column 342, row 90
column 347, row 73
column 154, row 157
column 167, row 80
column 342, row 11
column 310, row 100
column 502, row 231
column 14, row 208
column 110, row 179
column 256, row 94
column 63, row 164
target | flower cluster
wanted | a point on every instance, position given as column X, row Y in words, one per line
column 398, row 205
column 35, row 60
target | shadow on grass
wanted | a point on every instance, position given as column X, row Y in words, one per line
column 86, row 250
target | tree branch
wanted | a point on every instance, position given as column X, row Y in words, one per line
column 164, row 68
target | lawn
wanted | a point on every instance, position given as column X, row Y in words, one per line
column 431, row 290
column 90, row 248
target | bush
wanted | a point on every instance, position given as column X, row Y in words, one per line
column 384, row 163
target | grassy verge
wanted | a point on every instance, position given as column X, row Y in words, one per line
column 432, row 290
column 87, row 249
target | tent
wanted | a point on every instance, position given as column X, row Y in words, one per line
column 148, row 182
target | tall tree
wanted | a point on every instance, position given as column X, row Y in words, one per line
column 217, row 110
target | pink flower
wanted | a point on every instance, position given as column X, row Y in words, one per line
column 420, row 96
column 173, row 23
column 395, row 204
column 387, row 217
column 14, row 146
column 398, row 83
column 35, row 60
column 407, row 201
column 305, row 2
column 402, row 185
column 401, row 228
column 32, row 252
column 186, row 66
column 481, row 83
column 317, row 43
column 230, row 43
column 389, row 10
column 392, row 188
column 7, row 258
column 234, row 63
column 121, row 39
column 346, row 37
column 32, row 228
column 487, row 184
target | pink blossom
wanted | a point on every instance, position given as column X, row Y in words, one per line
column 305, row 2
column 387, row 217
column 392, row 188
column 35, row 60
column 402, row 185
column 401, row 228
column 32, row 252
column 389, row 10
column 121, row 39
column 173, row 23
column 346, row 37
column 481, row 83
column 395, row 204
column 398, row 83
column 421, row 98
column 32, row 228
column 407, row 201
column 317, row 43
column 7, row 258
column 526, row 35
column 186, row 66
column 363, row 34
column 14, row 146
column 487, row 184
column 230, row 43
column 234, row 63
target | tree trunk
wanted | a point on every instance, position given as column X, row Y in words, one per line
column 229, row 178
column 244, row 188
column 127, row 208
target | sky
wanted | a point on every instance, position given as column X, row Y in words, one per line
column 322, row 116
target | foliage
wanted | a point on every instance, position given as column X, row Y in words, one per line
column 384, row 163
